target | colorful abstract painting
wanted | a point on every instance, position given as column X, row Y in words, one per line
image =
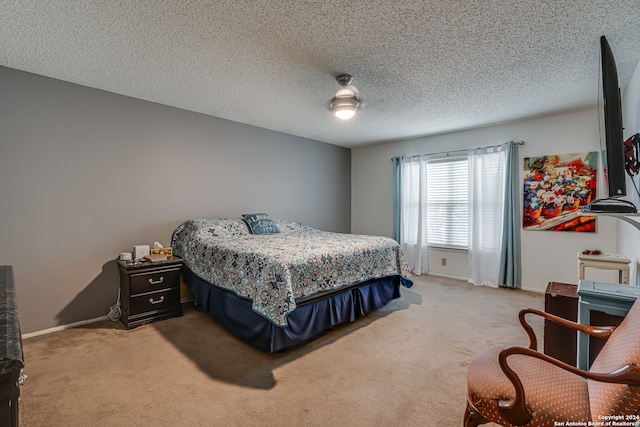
column 556, row 188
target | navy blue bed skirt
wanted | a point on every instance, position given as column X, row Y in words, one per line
column 306, row 321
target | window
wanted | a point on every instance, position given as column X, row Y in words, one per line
column 448, row 202
column 442, row 201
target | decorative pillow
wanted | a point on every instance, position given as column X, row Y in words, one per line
column 260, row 223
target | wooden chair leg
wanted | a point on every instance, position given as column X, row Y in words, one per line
column 472, row 418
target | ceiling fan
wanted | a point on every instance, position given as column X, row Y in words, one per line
column 346, row 102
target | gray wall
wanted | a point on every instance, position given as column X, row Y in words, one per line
column 86, row 174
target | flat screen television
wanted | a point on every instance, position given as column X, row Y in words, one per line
column 611, row 138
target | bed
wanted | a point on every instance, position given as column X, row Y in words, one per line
column 276, row 283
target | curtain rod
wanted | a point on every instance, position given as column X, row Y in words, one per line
column 457, row 151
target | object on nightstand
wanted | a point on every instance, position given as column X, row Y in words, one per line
column 167, row 252
column 156, row 257
column 159, row 253
column 140, row 251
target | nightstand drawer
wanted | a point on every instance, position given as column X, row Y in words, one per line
column 153, row 281
column 168, row 299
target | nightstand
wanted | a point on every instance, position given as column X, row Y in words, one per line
column 149, row 291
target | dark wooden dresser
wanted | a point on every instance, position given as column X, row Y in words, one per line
column 561, row 299
column 11, row 357
column 149, row 291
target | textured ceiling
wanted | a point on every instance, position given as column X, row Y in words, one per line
column 422, row 67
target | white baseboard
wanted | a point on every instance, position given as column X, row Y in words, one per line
column 80, row 323
column 62, row 327
column 447, row 276
column 466, row 279
column 536, row 290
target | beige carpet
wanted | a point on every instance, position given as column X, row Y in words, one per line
column 402, row 366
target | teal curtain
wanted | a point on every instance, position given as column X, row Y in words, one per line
column 510, row 260
column 397, row 199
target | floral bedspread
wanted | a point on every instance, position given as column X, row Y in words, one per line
column 274, row 269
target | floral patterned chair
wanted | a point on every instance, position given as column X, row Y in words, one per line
column 517, row 386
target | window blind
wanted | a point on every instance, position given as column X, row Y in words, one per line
column 448, row 202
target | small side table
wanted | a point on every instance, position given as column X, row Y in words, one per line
column 605, row 262
column 149, row 291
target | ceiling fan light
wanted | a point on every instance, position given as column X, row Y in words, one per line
column 345, row 114
column 345, row 107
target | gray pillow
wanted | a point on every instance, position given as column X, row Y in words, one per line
column 261, row 223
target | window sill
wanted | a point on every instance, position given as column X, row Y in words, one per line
column 449, row 249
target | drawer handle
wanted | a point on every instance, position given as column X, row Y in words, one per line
column 157, row 282
column 158, row 301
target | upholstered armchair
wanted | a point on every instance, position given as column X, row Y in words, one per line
column 517, row 386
